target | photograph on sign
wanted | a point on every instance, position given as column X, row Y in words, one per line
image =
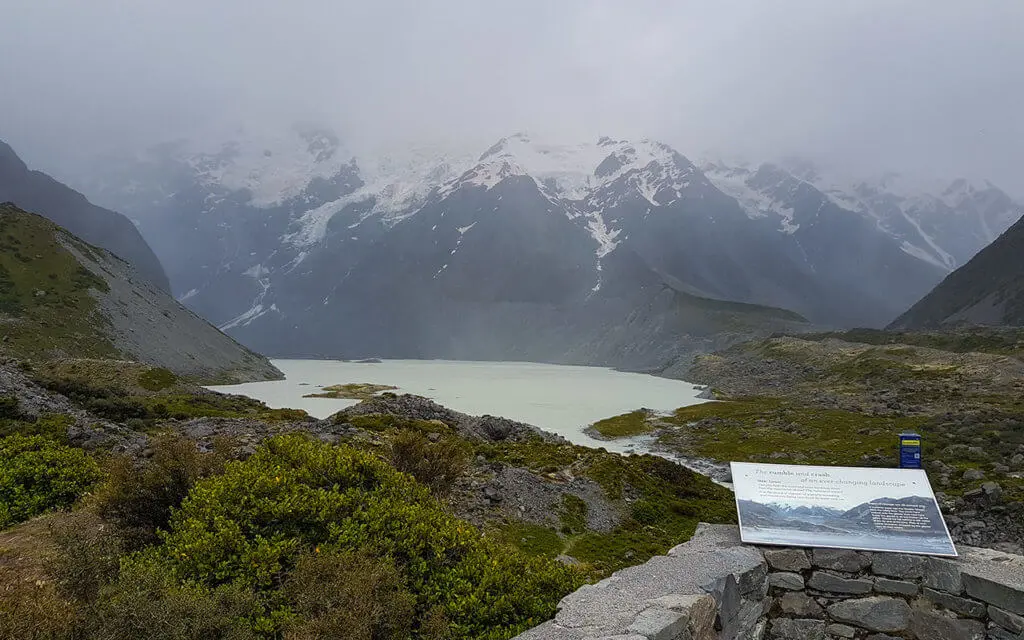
column 839, row 507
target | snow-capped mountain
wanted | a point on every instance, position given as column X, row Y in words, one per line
column 946, row 222
column 611, row 251
column 943, row 223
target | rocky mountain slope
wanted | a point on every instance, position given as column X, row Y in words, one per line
column 38, row 192
column 61, row 297
column 988, row 290
column 566, row 253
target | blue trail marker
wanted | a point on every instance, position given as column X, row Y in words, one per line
column 910, row 451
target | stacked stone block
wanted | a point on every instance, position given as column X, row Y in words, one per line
column 715, row 587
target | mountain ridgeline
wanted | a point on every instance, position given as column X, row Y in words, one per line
column 63, row 298
column 35, row 191
column 617, row 252
column 988, row 290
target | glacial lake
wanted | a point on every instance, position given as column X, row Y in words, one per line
column 560, row 399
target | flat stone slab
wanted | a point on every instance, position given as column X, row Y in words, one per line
column 839, row 559
column 787, row 559
column 875, row 613
column 796, row 629
column 963, row 606
column 934, row 626
column 824, row 581
column 899, row 565
column 887, row 585
column 612, row 604
column 995, row 578
column 786, row 580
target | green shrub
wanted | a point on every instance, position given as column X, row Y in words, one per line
column 435, row 464
column 250, row 526
column 157, row 379
column 573, row 514
column 87, row 556
column 38, row 474
column 9, row 408
column 147, row 602
column 348, row 595
column 138, row 498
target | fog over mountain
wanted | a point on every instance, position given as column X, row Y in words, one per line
column 928, row 87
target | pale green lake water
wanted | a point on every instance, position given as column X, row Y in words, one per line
column 556, row 398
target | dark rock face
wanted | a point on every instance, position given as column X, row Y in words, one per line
column 39, row 193
column 988, row 290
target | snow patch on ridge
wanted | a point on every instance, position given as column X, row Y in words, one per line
column 733, row 181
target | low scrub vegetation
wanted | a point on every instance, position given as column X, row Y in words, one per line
column 38, row 474
column 301, row 540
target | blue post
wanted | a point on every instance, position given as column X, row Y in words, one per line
column 910, row 451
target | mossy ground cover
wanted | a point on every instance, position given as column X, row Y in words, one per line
column 633, row 423
column 1000, row 341
column 660, row 501
column 769, row 429
column 45, row 303
column 121, row 391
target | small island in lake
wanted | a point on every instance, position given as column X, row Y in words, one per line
column 352, row 391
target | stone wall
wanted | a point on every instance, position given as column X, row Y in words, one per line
column 714, row 587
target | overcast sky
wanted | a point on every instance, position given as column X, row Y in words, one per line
column 928, row 86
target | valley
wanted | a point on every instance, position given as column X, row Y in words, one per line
column 507, row 376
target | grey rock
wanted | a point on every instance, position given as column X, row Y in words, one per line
column 786, row 580
column 973, row 475
column 999, row 633
column 993, row 492
column 995, row 578
column 746, row 624
column 1017, row 460
column 898, row 565
column 727, row 596
column 699, row 609
column 799, row 605
column 656, row 623
column 875, row 613
column 881, row 636
column 825, row 581
column 944, row 575
column 1009, row 621
column 787, row 559
column 933, row 626
column 841, row 631
column 839, row 559
column 963, row 606
column 796, row 629
column 886, row 585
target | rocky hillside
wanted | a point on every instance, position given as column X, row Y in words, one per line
column 38, row 192
column 61, row 297
column 988, row 290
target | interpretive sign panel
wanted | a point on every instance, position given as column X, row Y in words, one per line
column 840, row 507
